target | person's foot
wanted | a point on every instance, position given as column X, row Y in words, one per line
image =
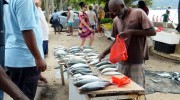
column 69, row 34
column 41, row 83
column 43, row 79
column 101, row 35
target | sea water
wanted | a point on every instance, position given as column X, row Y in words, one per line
column 158, row 15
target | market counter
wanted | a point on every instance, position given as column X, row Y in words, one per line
column 112, row 92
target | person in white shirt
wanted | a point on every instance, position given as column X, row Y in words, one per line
column 45, row 34
column 70, row 20
column 92, row 17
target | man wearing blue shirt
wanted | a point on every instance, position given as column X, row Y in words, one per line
column 23, row 48
column 1, row 40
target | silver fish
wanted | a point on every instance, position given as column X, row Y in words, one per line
column 78, row 65
column 87, row 50
column 109, row 70
column 85, row 81
column 95, row 61
column 111, row 73
column 102, row 63
column 106, row 66
column 94, row 86
column 80, row 54
column 72, row 62
column 86, row 77
column 92, row 54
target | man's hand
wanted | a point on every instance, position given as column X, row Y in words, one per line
column 124, row 34
column 41, row 64
column 101, row 56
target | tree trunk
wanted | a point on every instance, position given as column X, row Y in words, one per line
column 52, row 2
column 47, row 9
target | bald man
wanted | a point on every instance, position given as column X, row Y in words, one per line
column 134, row 26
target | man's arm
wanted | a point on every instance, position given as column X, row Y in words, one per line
column 30, row 41
column 146, row 32
column 106, row 52
column 10, row 88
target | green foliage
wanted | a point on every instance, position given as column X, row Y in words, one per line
column 106, row 20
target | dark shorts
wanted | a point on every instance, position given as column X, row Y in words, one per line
column 26, row 79
column 45, row 47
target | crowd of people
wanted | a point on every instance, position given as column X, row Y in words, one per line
column 26, row 35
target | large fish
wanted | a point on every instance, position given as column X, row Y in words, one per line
column 85, row 81
column 102, row 63
column 106, row 66
column 109, row 70
column 72, row 62
column 95, row 61
column 86, row 77
column 92, row 54
column 94, row 86
column 87, row 50
column 111, row 73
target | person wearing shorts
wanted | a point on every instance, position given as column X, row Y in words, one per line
column 70, row 20
column 85, row 30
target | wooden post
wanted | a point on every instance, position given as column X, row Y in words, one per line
column 47, row 10
column 62, row 71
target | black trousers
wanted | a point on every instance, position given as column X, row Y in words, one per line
column 26, row 79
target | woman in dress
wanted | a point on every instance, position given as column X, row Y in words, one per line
column 85, row 30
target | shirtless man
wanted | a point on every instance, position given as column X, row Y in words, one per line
column 134, row 26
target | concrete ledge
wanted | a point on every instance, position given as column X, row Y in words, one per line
column 173, row 56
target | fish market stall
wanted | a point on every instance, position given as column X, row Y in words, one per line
column 91, row 79
column 112, row 92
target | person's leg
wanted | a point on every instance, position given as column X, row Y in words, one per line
column 82, row 41
column 54, row 29
column 45, row 47
column 91, row 39
column 31, row 77
column 71, row 28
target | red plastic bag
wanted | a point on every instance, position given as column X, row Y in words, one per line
column 121, row 81
column 118, row 51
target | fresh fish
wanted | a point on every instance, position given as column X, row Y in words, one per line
column 92, row 54
column 94, row 86
column 102, row 63
column 85, row 81
column 74, row 47
column 60, row 53
column 78, row 65
column 165, row 75
column 95, row 61
column 87, row 50
column 74, row 51
column 109, row 70
column 106, row 66
column 92, row 57
column 72, row 62
column 111, row 73
column 82, row 72
column 79, row 69
column 80, row 54
column 77, row 75
column 60, row 48
column 86, row 77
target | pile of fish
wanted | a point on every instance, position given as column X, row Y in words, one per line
column 79, row 60
column 89, row 83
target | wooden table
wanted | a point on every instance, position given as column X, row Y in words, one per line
column 112, row 92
